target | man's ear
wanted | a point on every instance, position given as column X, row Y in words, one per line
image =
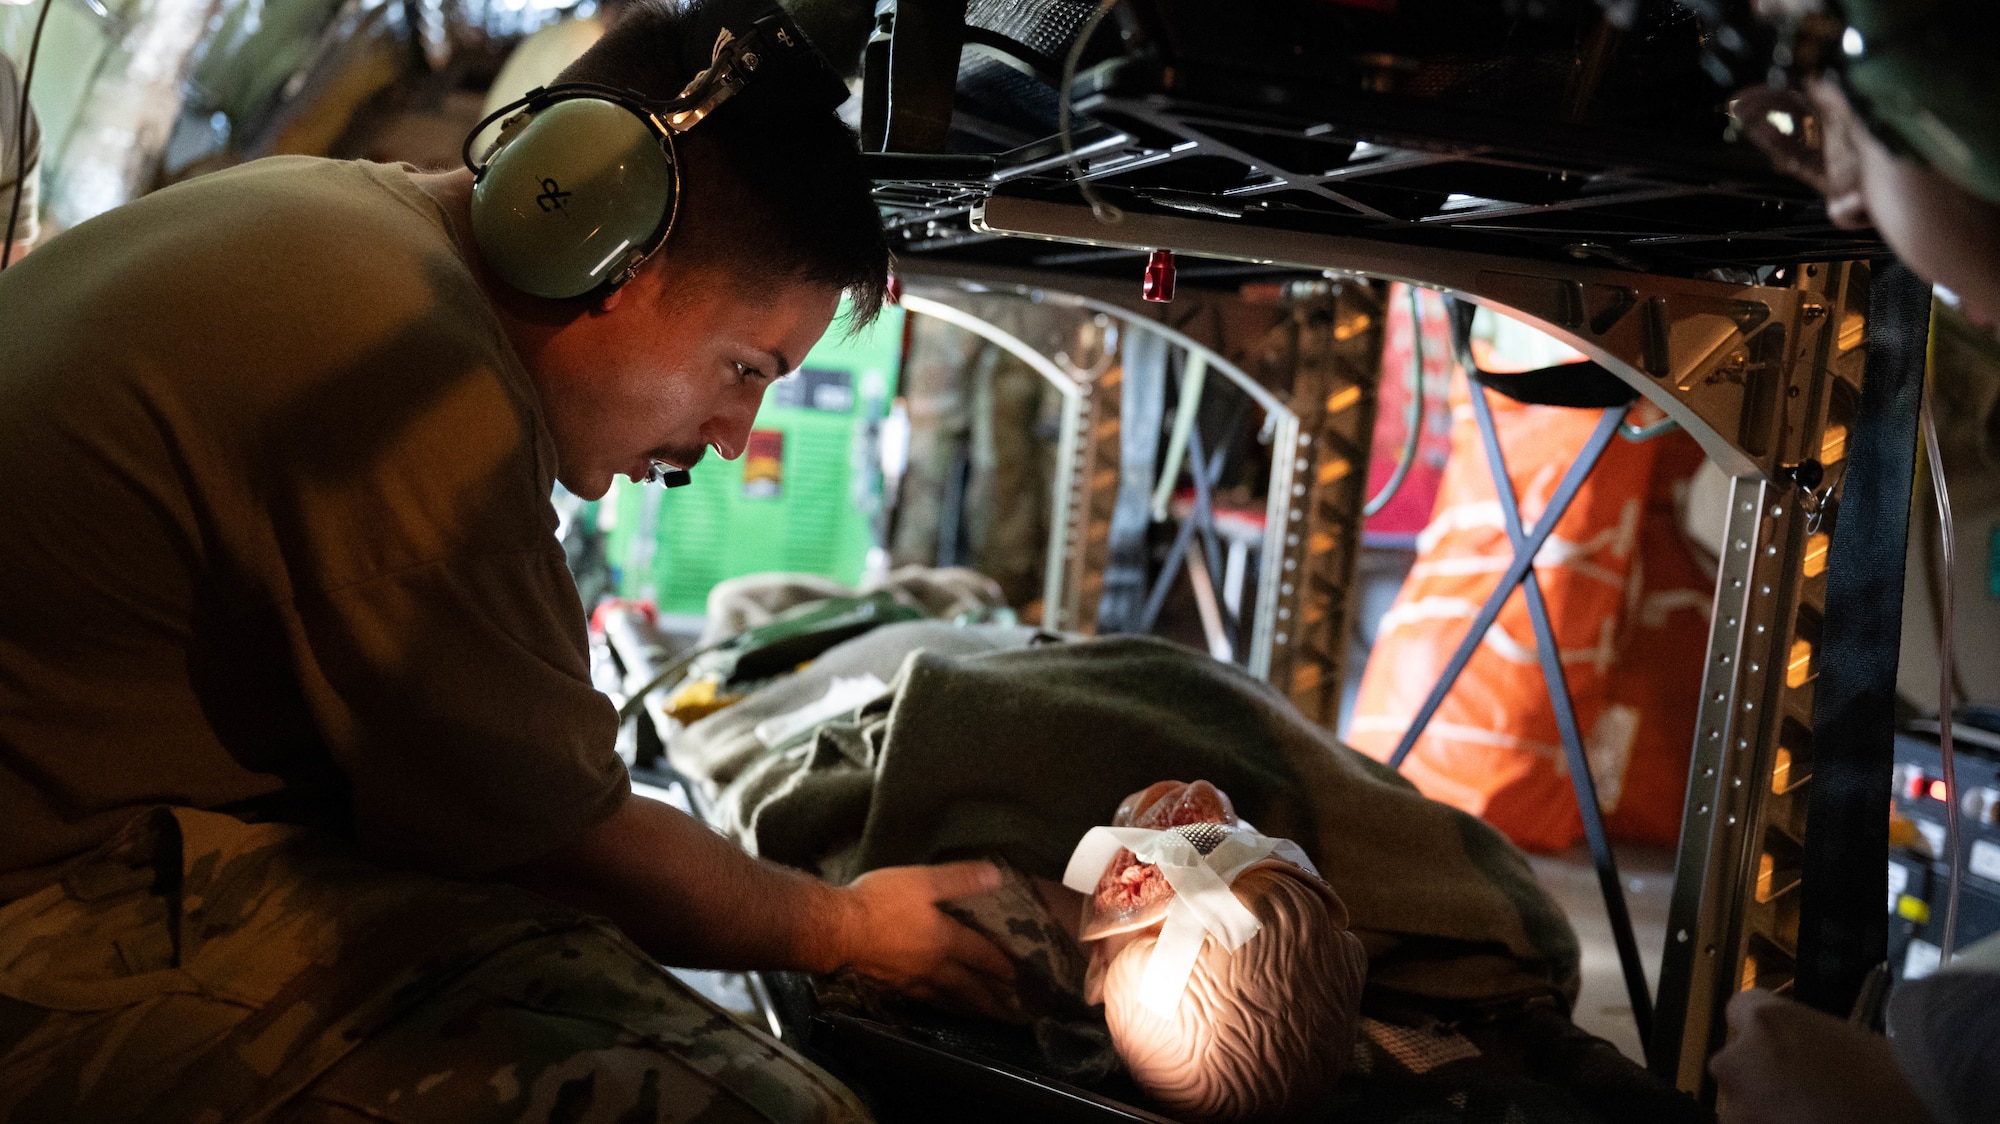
column 609, row 301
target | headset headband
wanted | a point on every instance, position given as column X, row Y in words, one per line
column 621, row 143
column 732, row 60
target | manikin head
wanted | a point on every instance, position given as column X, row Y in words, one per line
column 774, row 223
column 1260, row 1032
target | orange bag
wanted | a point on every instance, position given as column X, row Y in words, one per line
column 1629, row 604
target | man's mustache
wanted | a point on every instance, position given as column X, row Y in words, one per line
column 683, row 457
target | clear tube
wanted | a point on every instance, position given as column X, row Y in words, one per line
column 1103, row 209
column 1938, row 489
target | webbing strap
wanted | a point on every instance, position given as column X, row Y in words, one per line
column 1142, row 410
column 1843, row 932
column 1583, row 386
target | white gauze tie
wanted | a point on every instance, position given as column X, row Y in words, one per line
column 1203, row 905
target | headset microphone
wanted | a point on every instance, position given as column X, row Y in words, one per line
column 667, row 475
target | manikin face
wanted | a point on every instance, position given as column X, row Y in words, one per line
column 671, row 365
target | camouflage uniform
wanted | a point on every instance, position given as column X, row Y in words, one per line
column 197, row 968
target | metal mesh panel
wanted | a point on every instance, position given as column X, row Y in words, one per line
column 1046, row 27
column 1003, row 94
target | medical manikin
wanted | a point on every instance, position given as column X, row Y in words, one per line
column 1227, row 972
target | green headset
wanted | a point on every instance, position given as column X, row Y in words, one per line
column 583, row 183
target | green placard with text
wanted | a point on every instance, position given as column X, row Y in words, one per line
column 803, row 498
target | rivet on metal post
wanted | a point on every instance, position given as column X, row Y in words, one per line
column 1815, row 491
column 1158, row 285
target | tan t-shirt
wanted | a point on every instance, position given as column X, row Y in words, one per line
column 275, row 535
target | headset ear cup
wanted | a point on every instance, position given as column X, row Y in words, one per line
column 574, row 198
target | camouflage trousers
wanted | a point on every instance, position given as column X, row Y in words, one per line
column 200, row 969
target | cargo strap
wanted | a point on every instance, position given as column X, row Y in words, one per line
column 1844, row 880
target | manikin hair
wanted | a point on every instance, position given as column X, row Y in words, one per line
column 1260, row 1033
column 1256, row 1034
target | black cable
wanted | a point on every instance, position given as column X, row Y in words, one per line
column 1413, row 414
column 21, row 139
column 636, row 704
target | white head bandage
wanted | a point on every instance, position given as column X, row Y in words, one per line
column 1199, row 861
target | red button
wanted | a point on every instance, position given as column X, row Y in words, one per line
column 1158, row 285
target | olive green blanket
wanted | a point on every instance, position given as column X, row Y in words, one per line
column 1017, row 751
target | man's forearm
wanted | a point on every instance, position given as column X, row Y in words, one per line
column 691, row 897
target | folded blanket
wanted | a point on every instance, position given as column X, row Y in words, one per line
column 1018, row 752
column 943, row 592
column 714, row 750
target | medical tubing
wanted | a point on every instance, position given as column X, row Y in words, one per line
column 1640, row 434
column 1104, row 211
column 1194, row 378
column 1929, row 420
column 21, row 138
column 1413, row 414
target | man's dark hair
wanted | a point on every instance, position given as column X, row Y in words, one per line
column 801, row 207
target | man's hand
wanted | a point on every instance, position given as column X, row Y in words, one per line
column 692, row 898
column 1786, row 1062
column 892, row 930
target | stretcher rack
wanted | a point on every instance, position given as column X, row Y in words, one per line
column 1310, row 526
column 1562, row 167
column 1765, row 377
